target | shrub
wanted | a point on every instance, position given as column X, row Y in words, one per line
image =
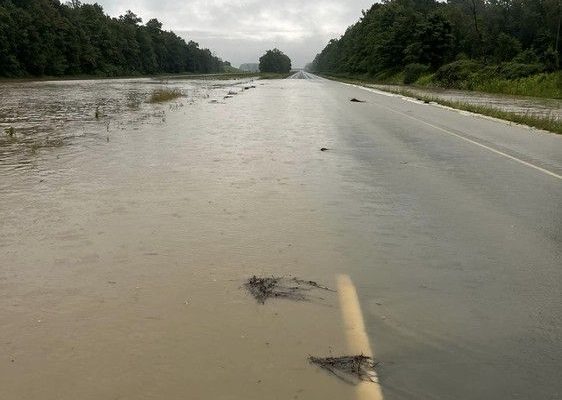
column 507, row 47
column 527, row 57
column 514, row 70
column 163, row 95
column 455, row 73
column 412, row 72
column 550, row 59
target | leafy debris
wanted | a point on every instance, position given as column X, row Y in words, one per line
column 264, row 288
column 350, row 369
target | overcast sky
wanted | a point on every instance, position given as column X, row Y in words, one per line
column 241, row 30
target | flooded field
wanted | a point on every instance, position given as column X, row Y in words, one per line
column 36, row 115
column 531, row 106
column 126, row 238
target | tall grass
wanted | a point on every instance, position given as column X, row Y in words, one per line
column 163, row 95
column 539, row 85
column 549, row 123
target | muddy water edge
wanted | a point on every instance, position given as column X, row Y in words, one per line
column 128, row 229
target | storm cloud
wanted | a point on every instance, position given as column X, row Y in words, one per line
column 241, row 30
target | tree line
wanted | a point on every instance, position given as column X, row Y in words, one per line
column 517, row 37
column 47, row 37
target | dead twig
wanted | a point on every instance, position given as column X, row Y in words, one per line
column 350, row 369
column 263, row 288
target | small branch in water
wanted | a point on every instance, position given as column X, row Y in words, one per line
column 276, row 287
column 350, row 369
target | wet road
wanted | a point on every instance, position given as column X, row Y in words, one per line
column 124, row 250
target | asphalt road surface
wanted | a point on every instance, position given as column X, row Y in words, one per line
column 123, row 259
column 459, row 256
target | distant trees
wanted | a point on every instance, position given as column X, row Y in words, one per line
column 250, row 67
column 275, row 61
column 429, row 34
column 46, row 37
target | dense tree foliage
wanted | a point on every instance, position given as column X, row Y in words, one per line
column 519, row 36
column 275, row 61
column 46, row 37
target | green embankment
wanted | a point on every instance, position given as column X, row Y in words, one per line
column 543, row 85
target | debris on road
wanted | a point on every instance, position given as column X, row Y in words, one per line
column 354, row 100
column 287, row 288
column 350, row 369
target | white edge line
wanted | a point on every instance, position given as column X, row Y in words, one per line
column 501, row 153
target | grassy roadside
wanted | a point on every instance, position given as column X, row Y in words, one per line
column 545, row 123
column 543, row 85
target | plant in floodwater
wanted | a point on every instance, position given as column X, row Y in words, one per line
column 11, row 132
column 263, row 288
column 98, row 112
column 163, row 95
column 134, row 100
column 350, row 369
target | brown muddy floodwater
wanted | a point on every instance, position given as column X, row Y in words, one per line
column 126, row 238
column 532, row 106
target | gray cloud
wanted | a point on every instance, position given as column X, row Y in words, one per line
column 241, row 30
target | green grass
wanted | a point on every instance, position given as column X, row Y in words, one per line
column 550, row 124
column 543, row 85
column 539, row 85
column 163, row 95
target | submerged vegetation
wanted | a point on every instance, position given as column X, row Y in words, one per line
column 49, row 38
column 509, row 47
column 350, row 369
column 163, row 95
column 264, row 288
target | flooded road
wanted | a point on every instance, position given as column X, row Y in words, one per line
column 126, row 245
column 124, row 259
column 532, row 106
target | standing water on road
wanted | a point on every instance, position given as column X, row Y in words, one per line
column 128, row 229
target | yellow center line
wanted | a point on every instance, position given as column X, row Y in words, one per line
column 356, row 334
